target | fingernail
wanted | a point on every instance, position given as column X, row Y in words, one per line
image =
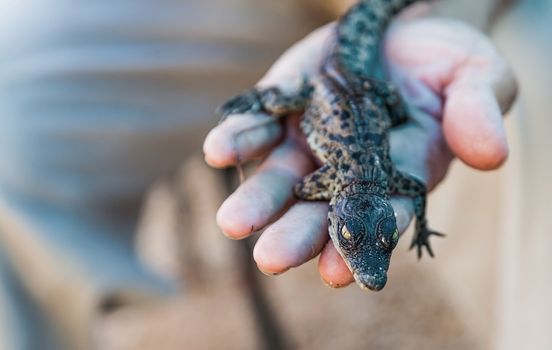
column 331, row 284
column 270, row 273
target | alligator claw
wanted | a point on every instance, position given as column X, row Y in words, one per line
column 246, row 102
column 421, row 240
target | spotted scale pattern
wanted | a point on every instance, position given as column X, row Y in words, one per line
column 347, row 119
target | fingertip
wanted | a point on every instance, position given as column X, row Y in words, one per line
column 474, row 128
column 215, row 150
column 294, row 239
column 333, row 270
column 243, row 136
column 487, row 156
column 269, row 256
column 234, row 226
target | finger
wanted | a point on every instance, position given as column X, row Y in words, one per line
column 241, row 138
column 294, row 239
column 440, row 51
column 480, row 91
column 281, row 247
column 461, row 65
column 473, row 126
column 259, row 199
column 333, row 270
column 250, row 135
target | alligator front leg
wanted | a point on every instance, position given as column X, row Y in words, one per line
column 409, row 185
column 271, row 100
column 317, row 186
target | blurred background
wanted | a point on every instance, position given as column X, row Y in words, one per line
column 107, row 232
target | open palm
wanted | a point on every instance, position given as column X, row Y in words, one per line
column 458, row 87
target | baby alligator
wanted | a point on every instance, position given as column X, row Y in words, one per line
column 348, row 115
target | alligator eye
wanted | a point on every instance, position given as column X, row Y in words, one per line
column 389, row 244
column 346, row 233
column 396, row 235
column 384, row 242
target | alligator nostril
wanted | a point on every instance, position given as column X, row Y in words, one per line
column 373, row 282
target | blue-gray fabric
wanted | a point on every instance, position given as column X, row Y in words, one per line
column 98, row 98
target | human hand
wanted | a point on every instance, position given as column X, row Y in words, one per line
column 458, row 87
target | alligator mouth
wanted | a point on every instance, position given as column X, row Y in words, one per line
column 367, row 281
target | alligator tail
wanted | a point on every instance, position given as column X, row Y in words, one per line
column 359, row 34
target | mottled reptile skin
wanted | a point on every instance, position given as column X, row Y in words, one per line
column 347, row 119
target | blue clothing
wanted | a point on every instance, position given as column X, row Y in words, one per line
column 98, row 99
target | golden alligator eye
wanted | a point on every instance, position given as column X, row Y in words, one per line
column 396, row 235
column 346, row 233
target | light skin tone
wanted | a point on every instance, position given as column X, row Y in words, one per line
column 451, row 75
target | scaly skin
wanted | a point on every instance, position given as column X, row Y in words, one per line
column 348, row 115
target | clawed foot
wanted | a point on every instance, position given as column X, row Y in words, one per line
column 247, row 102
column 421, row 239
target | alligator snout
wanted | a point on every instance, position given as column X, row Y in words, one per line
column 373, row 282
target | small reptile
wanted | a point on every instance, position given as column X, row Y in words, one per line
column 347, row 118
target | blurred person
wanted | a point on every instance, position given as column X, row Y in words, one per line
column 98, row 99
column 495, row 259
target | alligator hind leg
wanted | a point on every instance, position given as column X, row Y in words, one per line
column 392, row 99
column 408, row 185
column 271, row 100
